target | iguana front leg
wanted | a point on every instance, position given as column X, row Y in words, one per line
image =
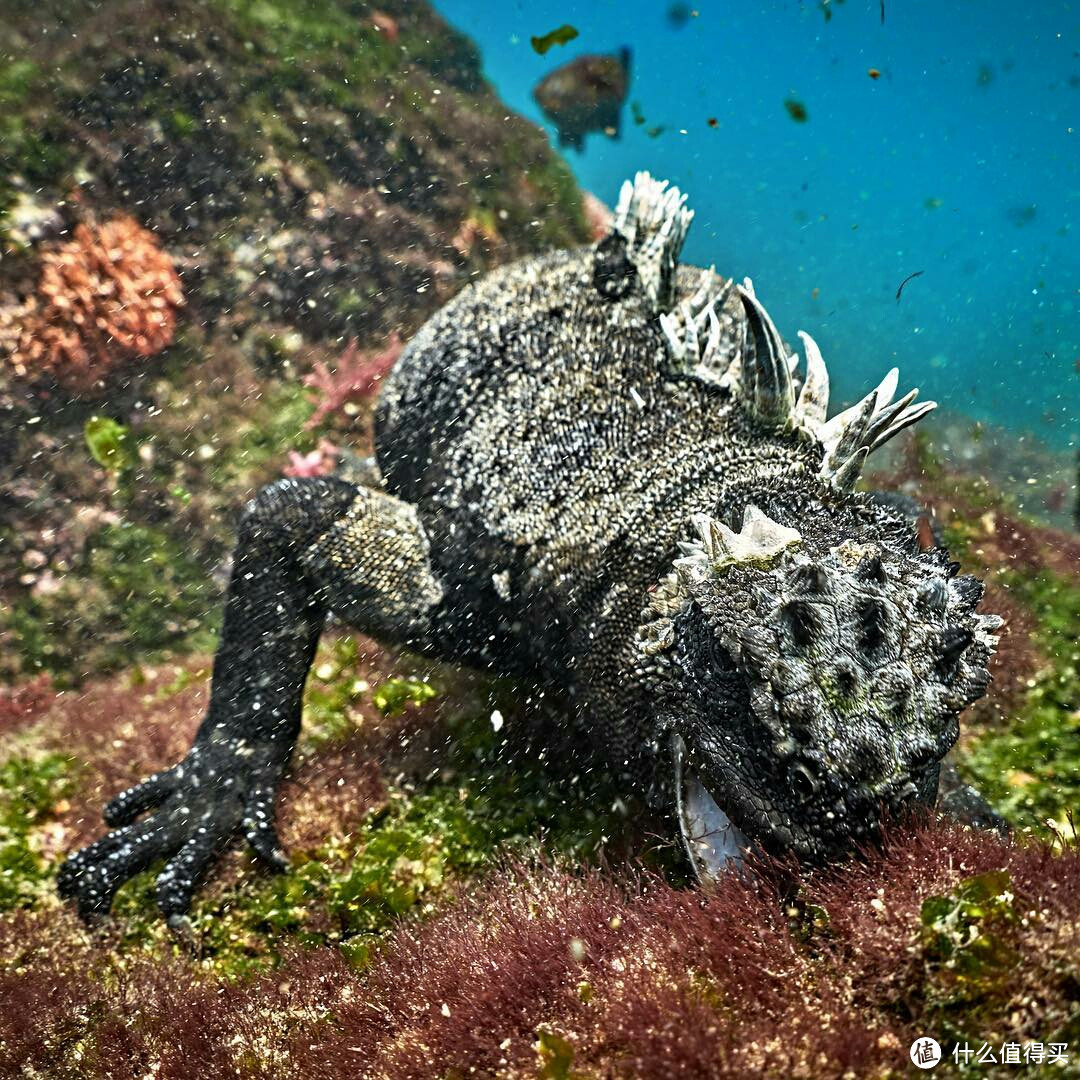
column 304, row 547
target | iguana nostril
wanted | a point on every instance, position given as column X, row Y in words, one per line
column 871, row 569
column 804, row 783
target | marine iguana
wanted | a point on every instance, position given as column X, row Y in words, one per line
column 601, row 469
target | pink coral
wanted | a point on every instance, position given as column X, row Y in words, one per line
column 320, row 462
column 356, row 377
column 598, row 216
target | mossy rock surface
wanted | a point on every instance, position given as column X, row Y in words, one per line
column 317, row 171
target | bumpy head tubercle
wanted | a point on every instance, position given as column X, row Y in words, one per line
column 760, row 541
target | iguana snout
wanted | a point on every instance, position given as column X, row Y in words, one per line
column 818, row 683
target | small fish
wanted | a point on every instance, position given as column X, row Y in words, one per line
column 797, row 111
column 656, row 131
column 1021, row 215
column 559, row 36
column 882, row 2
column 586, row 95
column 874, row 73
column 917, row 273
column 678, row 15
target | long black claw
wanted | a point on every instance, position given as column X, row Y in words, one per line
column 128, row 805
column 176, row 884
column 260, row 833
column 93, row 876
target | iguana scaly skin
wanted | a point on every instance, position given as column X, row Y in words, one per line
column 600, row 469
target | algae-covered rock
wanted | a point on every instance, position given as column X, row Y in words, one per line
column 301, row 164
column 323, row 171
column 315, row 173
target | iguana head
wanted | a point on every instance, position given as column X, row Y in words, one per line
column 811, row 682
column 811, row 660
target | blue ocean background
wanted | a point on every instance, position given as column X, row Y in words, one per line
column 960, row 160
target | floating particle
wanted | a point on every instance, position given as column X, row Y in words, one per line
column 796, row 110
column 933, row 203
column 918, row 273
column 653, row 132
column 1021, row 215
column 874, row 73
column 713, row 122
column 635, row 112
column 559, row 36
column 826, row 7
column 678, row 15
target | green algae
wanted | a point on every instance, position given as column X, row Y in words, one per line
column 137, row 592
column 1031, row 770
column 110, row 443
column 966, row 940
column 394, row 695
column 407, row 858
column 556, row 1055
column 31, row 789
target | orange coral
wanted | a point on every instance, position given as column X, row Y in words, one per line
column 107, row 296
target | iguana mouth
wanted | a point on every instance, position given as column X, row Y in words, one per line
column 712, row 841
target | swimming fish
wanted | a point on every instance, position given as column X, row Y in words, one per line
column 797, row 111
column 559, row 36
column 585, row 95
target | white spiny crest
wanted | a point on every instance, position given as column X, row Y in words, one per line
column 765, row 378
column 652, row 218
column 717, row 546
column 694, row 331
column 766, row 388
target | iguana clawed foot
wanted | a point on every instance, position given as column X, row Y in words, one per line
column 196, row 809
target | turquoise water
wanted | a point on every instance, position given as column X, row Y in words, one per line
column 960, row 160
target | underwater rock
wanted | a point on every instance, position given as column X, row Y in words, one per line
column 305, row 169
